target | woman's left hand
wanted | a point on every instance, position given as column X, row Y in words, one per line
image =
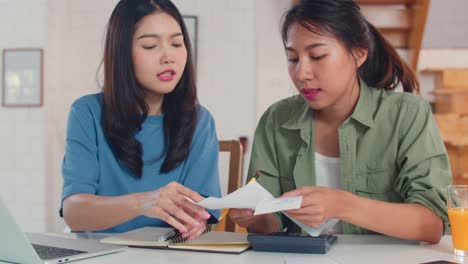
column 318, row 204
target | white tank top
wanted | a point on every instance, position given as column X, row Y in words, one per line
column 328, row 174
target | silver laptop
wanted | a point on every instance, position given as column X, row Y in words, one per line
column 17, row 247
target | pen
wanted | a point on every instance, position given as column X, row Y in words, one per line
column 226, row 211
column 255, row 177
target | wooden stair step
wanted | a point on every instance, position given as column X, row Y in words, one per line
column 397, row 39
column 393, row 23
column 391, row 19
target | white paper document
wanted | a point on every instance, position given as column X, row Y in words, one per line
column 246, row 197
column 254, row 196
column 279, row 204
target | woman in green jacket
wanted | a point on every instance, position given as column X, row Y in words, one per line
column 351, row 146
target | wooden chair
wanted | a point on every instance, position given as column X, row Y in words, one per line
column 235, row 177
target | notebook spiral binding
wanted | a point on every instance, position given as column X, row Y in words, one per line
column 177, row 238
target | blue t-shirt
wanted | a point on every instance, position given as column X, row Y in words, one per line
column 89, row 166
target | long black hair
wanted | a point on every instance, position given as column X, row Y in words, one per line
column 124, row 107
column 343, row 19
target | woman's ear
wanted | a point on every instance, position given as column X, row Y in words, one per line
column 360, row 55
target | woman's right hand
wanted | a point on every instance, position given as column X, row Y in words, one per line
column 169, row 204
column 242, row 217
column 263, row 224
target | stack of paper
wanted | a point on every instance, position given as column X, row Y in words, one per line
column 254, row 196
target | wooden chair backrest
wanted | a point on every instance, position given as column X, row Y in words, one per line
column 235, row 176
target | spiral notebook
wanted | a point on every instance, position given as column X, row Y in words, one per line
column 168, row 238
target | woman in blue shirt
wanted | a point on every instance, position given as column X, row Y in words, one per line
column 137, row 150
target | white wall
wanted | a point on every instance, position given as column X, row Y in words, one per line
column 22, row 129
column 225, row 41
column 272, row 79
column 74, row 43
column 226, row 66
column 446, row 25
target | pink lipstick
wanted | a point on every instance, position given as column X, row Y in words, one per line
column 310, row 93
column 167, row 75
